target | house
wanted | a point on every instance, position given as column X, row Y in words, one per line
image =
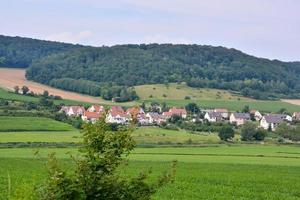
column 213, row 116
column 271, row 121
column 73, row 110
column 224, row 112
column 90, row 116
column 155, row 118
column 117, row 115
column 257, row 115
column 135, row 112
column 176, row 111
column 296, row 116
column 239, row 118
column 96, row 108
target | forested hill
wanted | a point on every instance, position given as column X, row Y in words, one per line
column 20, row 52
column 109, row 71
column 199, row 66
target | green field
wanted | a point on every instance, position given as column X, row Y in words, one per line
column 142, row 135
column 206, row 98
column 32, row 124
column 223, row 172
column 175, row 91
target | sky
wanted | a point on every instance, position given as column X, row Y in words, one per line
column 264, row 28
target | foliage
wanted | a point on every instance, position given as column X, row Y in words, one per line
column 251, row 132
column 95, row 175
column 192, row 108
column 289, row 131
column 199, row 66
column 226, row 133
column 20, row 52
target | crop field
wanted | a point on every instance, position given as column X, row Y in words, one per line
column 220, row 172
column 32, row 124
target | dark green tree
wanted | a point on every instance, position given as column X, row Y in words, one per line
column 248, row 131
column 226, row 133
column 192, row 108
column 25, row 90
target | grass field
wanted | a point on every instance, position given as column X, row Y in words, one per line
column 142, row 135
column 32, row 124
column 223, row 172
column 175, row 91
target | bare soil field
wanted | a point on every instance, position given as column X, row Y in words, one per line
column 9, row 78
column 292, row 101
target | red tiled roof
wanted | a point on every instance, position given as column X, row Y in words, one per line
column 177, row 111
column 91, row 115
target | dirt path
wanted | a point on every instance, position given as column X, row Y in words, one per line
column 292, row 101
column 12, row 77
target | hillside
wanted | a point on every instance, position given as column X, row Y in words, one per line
column 20, row 52
column 198, row 66
column 111, row 71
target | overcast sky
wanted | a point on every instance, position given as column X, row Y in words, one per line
column 264, row 28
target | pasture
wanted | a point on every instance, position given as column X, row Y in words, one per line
column 220, row 172
column 32, row 124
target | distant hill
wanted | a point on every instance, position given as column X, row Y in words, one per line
column 110, row 71
column 20, row 52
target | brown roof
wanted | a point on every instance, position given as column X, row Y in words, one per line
column 98, row 108
column 221, row 110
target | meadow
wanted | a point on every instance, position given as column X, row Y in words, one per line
column 32, row 124
column 220, row 172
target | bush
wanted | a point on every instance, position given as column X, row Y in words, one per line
column 226, row 133
column 95, row 175
column 248, row 131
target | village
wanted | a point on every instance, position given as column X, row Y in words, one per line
column 118, row 115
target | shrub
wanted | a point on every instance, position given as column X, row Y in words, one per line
column 226, row 133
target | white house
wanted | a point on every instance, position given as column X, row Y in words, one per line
column 257, row 115
column 155, row 118
column 117, row 115
column 96, row 108
column 213, row 116
column 90, row 116
column 239, row 118
column 73, row 110
column 271, row 121
column 224, row 112
column 296, row 116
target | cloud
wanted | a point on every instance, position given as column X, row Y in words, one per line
column 71, row 37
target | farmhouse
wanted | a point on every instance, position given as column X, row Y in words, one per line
column 296, row 116
column 176, row 111
column 271, row 121
column 90, row 116
column 116, row 114
column 224, row 112
column 96, row 108
column 73, row 110
column 155, row 118
column 213, row 116
column 257, row 115
column 239, row 118
column 135, row 112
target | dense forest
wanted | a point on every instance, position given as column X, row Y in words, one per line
column 20, row 52
column 111, row 71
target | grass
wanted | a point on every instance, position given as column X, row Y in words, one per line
column 155, row 135
column 263, row 106
column 32, row 124
column 39, row 136
column 142, row 135
column 223, row 172
column 180, row 91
